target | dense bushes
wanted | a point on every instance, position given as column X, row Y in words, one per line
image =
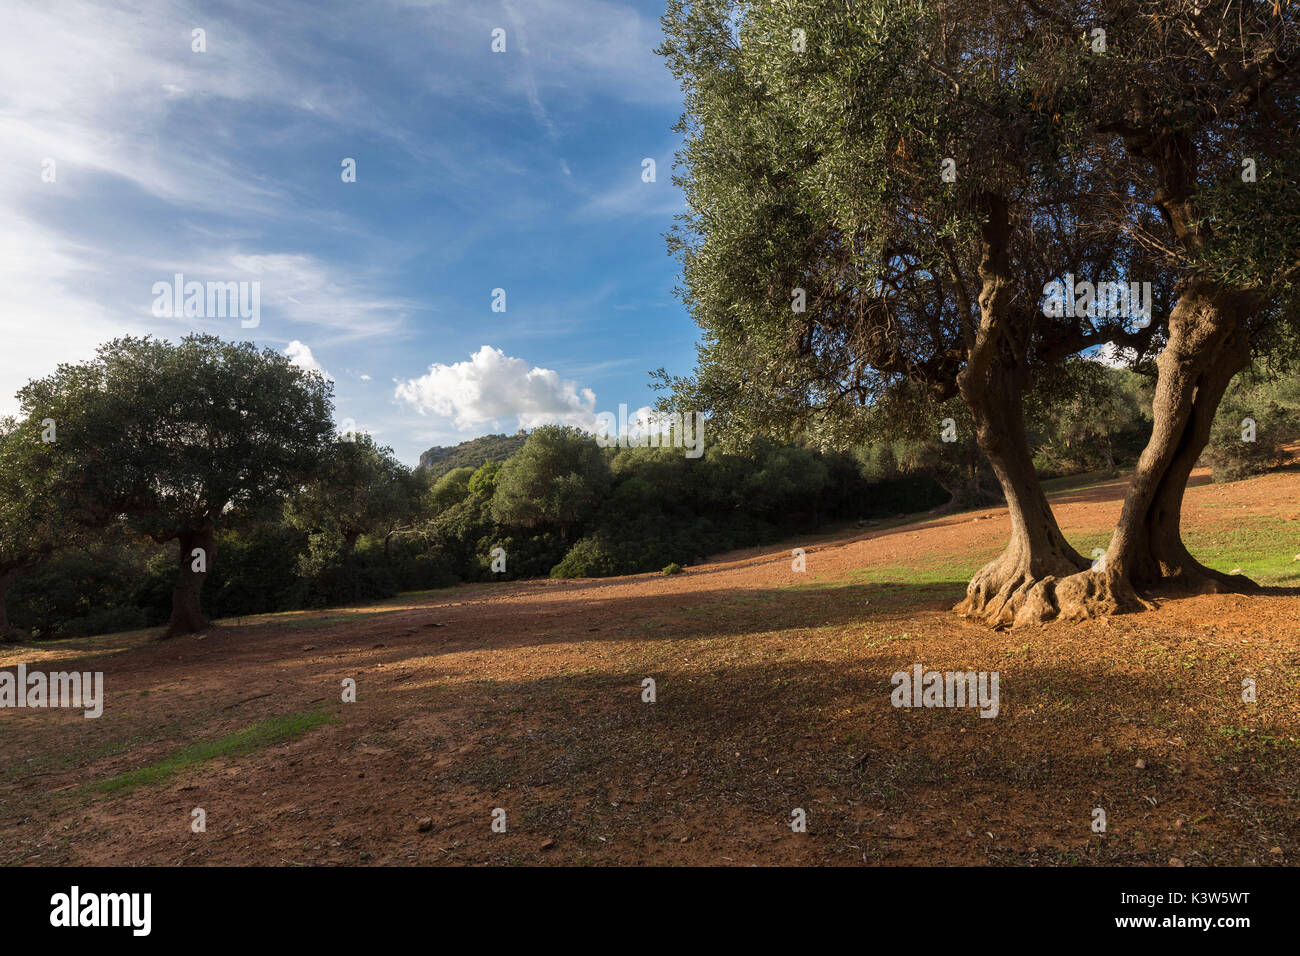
column 1091, row 418
column 1257, row 419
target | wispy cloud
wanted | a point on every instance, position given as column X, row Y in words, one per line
column 224, row 166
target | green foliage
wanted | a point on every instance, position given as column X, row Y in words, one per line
column 32, row 519
column 1274, row 407
column 483, row 483
column 673, row 568
column 83, row 590
column 556, row 480
column 357, row 488
column 1089, row 417
column 451, row 489
column 823, row 255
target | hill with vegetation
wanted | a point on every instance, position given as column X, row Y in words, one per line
column 439, row 459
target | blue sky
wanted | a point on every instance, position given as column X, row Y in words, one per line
column 475, row 171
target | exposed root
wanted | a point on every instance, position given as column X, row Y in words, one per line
column 1094, row 594
column 1192, row 577
column 1006, row 592
column 1003, row 594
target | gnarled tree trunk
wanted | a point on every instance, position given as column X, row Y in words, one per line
column 187, row 608
column 1017, row 586
column 1208, row 345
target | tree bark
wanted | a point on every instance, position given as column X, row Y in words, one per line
column 7, row 633
column 1208, row 345
column 349, row 546
column 1017, row 586
column 187, row 606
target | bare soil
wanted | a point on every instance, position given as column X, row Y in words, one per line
column 773, row 693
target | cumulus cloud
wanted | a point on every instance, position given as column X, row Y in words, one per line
column 493, row 386
column 300, row 355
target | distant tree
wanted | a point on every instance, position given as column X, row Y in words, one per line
column 1088, row 416
column 32, row 522
column 558, row 478
column 1257, row 423
column 483, row 483
column 358, row 488
column 784, row 479
column 451, row 489
column 179, row 440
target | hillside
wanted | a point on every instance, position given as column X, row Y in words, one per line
column 439, row 459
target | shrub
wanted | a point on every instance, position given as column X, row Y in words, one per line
column 1274, row 408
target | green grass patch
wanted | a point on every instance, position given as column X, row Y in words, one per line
column 256, row 737
column 1264, row 549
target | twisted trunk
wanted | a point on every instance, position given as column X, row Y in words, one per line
column 1208, row 345
column 187, row 608
column 1017, row 586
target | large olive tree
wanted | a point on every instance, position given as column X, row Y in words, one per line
column 1200, row 105
column 178, row 441
column 878, row 194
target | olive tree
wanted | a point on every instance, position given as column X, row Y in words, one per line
column 878, row 194
column 178, row 441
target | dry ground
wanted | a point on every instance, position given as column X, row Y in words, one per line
column 773, row 693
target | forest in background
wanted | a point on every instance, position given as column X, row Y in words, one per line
column 556, row 504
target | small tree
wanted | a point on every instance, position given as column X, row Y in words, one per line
column 179, row 440
column 558, row 479
column 359, row 488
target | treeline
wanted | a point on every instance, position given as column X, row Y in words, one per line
column 168, row 484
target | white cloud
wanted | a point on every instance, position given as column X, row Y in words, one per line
column 310, row 291
column 300, row 355
column 492, row 386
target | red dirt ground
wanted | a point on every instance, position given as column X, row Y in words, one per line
column 773, row 693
